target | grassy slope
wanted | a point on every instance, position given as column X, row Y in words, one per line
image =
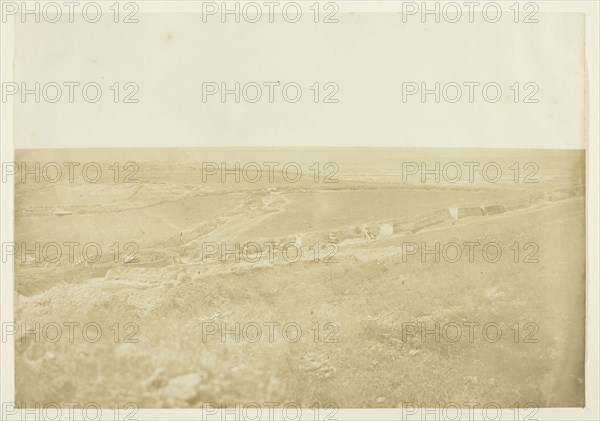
column 370, row 365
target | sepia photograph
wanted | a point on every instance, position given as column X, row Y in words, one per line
column 317, row 210
column 363, row 277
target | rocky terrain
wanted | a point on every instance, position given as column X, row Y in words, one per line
column 356, row 289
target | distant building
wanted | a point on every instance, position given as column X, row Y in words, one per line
column 60, row 212
column 464, row 212
column 493, row 209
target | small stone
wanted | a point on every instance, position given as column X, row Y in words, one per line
column 183, row 387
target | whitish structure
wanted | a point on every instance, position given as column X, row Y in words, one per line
column 386, row 230
column 464, row 212
column 492, row 209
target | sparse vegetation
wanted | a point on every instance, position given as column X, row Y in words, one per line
column 371, row 295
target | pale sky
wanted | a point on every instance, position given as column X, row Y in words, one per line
column 368, row 55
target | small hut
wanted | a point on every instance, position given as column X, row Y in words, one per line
column 464, row 212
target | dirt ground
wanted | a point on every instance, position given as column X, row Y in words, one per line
column 348, row 330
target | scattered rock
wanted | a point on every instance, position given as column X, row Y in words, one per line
column 184, row 387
